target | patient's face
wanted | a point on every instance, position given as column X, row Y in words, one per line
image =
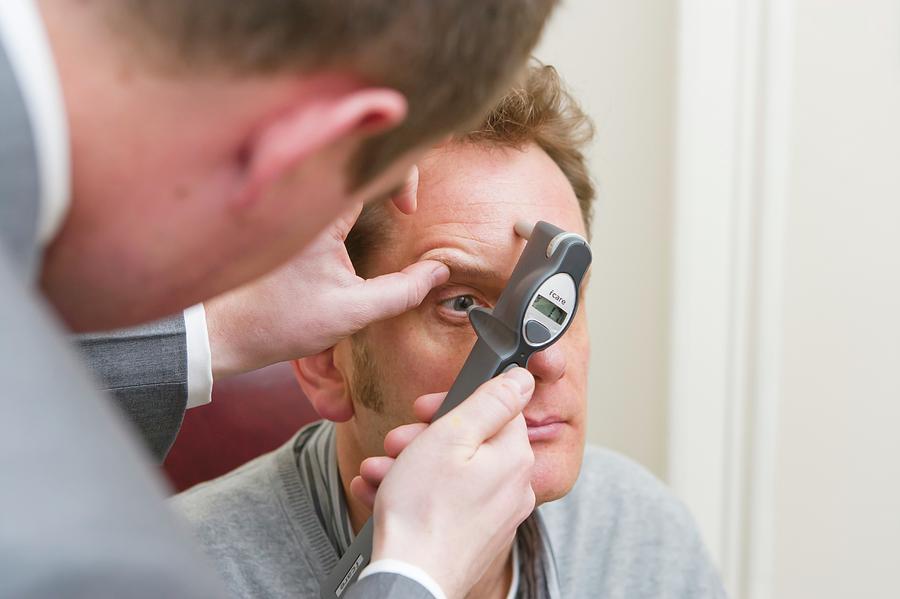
column 469, row 199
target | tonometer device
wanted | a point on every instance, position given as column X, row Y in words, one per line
column 533, row 311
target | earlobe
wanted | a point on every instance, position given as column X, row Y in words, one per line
column 313, row 124
column 324, row 385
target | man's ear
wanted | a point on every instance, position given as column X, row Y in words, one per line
column 325, row 386
column 313, row 124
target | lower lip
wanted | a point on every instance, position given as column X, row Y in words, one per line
column 545, row 432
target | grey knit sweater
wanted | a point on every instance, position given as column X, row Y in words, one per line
column 618, row 534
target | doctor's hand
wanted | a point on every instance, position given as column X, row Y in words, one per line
column 457, row 487
column 313, row 301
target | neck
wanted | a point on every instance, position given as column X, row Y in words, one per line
column 495, row 582
column 349, row 458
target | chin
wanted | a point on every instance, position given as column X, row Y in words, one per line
column 555, row 471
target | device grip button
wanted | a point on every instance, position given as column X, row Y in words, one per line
column 536, row 333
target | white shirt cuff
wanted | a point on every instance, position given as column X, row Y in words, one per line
column 395, row 566
column 24, row 37
column 199, row 357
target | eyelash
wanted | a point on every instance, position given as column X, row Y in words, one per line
column 447, row 302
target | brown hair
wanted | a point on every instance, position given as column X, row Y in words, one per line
column 541, row 111
column 450, row 58
column 537, row 110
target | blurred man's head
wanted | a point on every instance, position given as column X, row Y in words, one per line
column 212, row 139
column 524, row 162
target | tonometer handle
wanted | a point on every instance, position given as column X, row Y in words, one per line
column 482, row 365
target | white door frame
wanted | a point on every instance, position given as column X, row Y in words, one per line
column 731, row 188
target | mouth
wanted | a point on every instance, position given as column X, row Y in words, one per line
column 548, row 428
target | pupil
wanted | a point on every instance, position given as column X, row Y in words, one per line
column 462, row 303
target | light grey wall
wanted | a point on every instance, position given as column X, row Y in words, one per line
column 837, row 494
column 786, row 362
column 618, row 58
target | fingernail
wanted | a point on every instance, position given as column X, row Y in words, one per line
column 440, row 272
column 522, row 378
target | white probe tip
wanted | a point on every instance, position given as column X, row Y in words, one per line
column 524, row 229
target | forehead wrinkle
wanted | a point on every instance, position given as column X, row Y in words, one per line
column 453, row 220
column 464, row 234
column 484, row 227
column 474, row 242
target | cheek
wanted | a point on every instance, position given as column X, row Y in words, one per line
column 426, row 355
column 578, row 352
column 411, row 360
column 556, row 466
column 416, row 357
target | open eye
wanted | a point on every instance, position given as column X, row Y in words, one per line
column 460, row 303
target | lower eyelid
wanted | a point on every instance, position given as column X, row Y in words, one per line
column 452, row 316
column 448, row 310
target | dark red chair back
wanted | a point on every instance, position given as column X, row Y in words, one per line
column 250, row 414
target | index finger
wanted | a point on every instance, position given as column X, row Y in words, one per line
column 489, row 409
column 405, row 198
column 425, row 406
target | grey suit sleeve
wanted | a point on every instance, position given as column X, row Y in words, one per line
column 145, row 369
column 383, row 585
column 20, row 184
column 81, row 510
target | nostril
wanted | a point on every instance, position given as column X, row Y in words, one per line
column 548, row 365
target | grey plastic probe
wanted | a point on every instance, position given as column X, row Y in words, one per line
column 500, row 346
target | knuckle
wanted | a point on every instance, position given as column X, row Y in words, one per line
column 504, row 394
column 415, row 291
column 357, row 315
column 527, row 459
column 523, row 457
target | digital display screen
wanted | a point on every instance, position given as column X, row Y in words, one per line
column 549, row 309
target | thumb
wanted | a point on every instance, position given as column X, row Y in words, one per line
column 493, row 405
column 389, row 295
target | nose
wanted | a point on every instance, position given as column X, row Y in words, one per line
column 549, row 365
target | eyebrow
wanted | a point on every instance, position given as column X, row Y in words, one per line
column 466, row 269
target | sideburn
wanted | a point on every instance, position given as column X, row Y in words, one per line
column 364, row 388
